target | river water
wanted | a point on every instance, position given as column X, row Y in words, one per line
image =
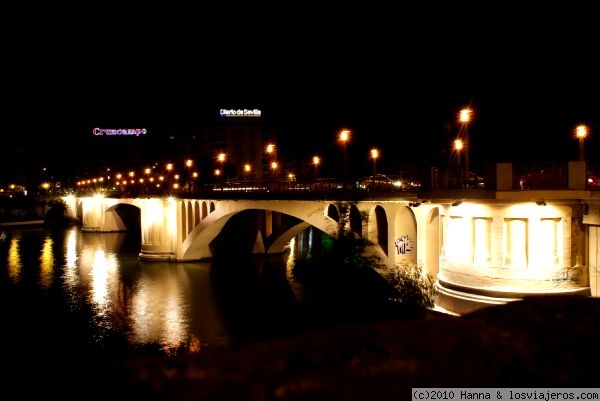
column 65, row 292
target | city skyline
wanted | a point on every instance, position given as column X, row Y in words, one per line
column 530, row 81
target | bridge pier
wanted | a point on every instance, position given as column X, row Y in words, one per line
column 159, row 218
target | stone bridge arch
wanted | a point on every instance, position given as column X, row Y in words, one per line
column 269, row 237
column 405, row 241
column 123, row 217
column 378, row 229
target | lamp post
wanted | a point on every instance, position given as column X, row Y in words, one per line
column 221, row 159
column 581, row 133
column 273, row 174
column 188, row 164
column 344, row 138
column 270, row 150
column 247, row 170
column 316, row 162
column 464, row 118
column 169, row 168
column 458, row 146
column 374, row 156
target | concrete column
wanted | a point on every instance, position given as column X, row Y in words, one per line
column 577, row 175
column 159, row 229
column 504, row 177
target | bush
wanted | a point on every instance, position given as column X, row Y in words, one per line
column 414, row 287
column 56, row 213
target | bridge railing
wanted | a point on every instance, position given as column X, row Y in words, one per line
column 524, row 176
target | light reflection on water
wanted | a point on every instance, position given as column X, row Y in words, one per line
column 172, row 307
column 47, row 263
column 149, row 302
column 14, row 260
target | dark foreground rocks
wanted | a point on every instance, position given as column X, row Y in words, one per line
column 538, row 342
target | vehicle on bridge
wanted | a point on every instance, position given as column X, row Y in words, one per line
column 543, row 179
column 382, row 182
column 593, row 182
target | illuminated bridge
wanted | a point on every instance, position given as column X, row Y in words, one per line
column 483, row 246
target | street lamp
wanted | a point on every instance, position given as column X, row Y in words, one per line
column 221, row 159
column 273, row 173
column 247, row 170
column 581, row 133
column 270, row 150
column 464, row 118
column 316, row 162
column 344, row 138
column 458, row 146
column 374, row 156
column 188, row 164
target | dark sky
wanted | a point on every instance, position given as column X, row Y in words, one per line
column 396, row 77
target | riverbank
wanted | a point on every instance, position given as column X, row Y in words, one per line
column 21, row 223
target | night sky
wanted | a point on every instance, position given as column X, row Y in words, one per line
column 396, row 78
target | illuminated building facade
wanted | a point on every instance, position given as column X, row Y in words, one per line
column 519, row 243
column 243, row 140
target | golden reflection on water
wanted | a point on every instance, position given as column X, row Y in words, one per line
column 158, row 312
column 290, row 262
column 47, row 263
column 155, row 306
column 102, row 273
column 14, row 260
column 70, row 276
column 167, row 304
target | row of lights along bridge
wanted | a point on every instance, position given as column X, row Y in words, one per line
column 170, row 180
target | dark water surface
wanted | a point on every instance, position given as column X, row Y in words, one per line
column 65, row 292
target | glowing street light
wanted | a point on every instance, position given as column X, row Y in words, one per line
column 316, row 162
column 188, row 164
column 581, row 133
column 344, row 138
column 270, row 150
column 374, row 156
column 464, row 117
column 221, row 159
column 221, row 171
column 458, row 146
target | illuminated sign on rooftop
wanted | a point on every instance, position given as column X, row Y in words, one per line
column 240, row 112
column 120, row 131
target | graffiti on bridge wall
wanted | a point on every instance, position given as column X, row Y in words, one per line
column 403, row 244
